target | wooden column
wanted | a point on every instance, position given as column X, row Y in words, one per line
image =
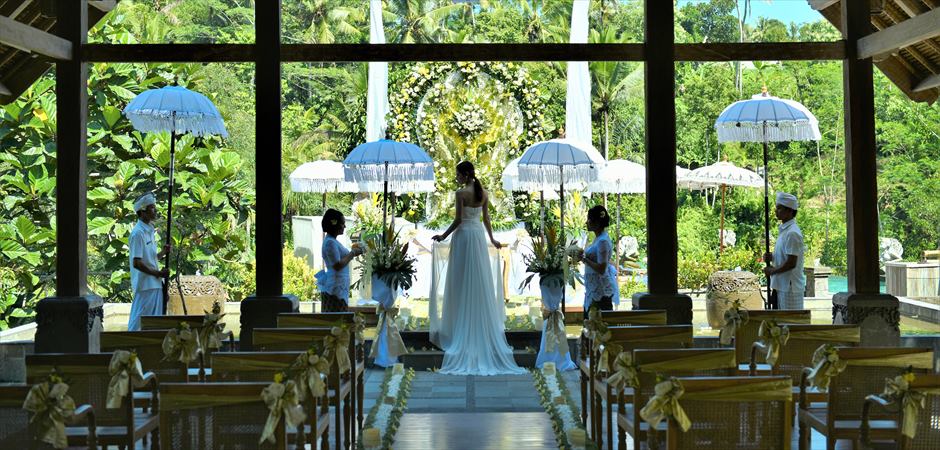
column 659, row 56
column 70, row 322
column 863, row 299
column 261, row 309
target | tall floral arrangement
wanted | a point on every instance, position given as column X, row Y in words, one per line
column 387, row 258
column 550, row 261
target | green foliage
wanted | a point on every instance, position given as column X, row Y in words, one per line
column 298, row 277
column 632, row 285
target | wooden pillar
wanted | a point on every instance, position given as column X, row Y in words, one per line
column 261, row 309
column 70, row 322
column 662, row 257
column 863, row 303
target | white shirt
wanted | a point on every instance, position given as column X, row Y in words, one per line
column 142, row 245
column 789, row 242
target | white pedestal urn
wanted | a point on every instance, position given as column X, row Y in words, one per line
column 554, row 345
column 388, row 344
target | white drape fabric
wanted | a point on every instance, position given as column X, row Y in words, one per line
column 578, row 99
column 377, row 102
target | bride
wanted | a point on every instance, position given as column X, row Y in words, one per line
column 472, row 329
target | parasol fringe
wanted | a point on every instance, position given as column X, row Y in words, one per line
column 779, row 132
column 551, row 174
column 199, row 124
column 321, row 185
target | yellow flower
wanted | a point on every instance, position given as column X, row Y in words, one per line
column 279, row 377
column 909, row 377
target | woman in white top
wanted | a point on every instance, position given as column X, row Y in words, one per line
column 333, row 280
column 600, row 274
column 472, row 331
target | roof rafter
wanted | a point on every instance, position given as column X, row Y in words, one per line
column 33, row 40
column 916, row 29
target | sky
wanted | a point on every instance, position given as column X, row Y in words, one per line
column 785, row 11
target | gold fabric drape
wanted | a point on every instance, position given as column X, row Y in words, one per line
column 696, row 361
column 555, row 336
column 181, row 344
column 311, row 368
column 126, row 372
column 774, row 337
column 396, row 346
column 281, row 399
column 734, row 317
column 625, row 372
column 337, row 346
column 51, row 407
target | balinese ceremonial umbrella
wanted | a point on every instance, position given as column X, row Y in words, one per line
column 765, row 118
column 721, row 175
column 402, row 165
column 177, row 110
column 321, row 177
column 511, row 183
column 620, row 176
column 557, row 162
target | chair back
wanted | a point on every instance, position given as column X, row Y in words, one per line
column 149, row 348
column 686, row 362
column 215, row 415
column 250, row 366
column 865, row 373
column 15, row 432
column 634, row 317
column 303, row 320
column 746, row 335
column 928, row 428
column 168, row 322
column 803, row 342
column 288, row 339
column 88, row 378
column 651, row 336
column 743, row 416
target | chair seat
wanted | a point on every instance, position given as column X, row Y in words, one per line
column 193, row 372
column 144, row 423
column 818, row 418
column 813, row 395
column 600, row 388
column 762, row 369
column 627, row 418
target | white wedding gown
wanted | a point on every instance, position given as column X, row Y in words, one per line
column 472, row 317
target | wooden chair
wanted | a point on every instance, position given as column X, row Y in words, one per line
column 797, row 354
column 927, row 432
column 653, row 364
column 149, row 348
column 195, row 322
column 357, row 355
column 87, row 376
column 17, row 433
column 340, row 385
column 215, row 416
column 749, row 422
column 611, row 318
column 230, row 367
column 746, row 335
column 629, row 339
column 839, row 417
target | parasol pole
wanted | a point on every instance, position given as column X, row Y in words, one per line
column 542, row 212
column 721, row 236
column 618, row 230
column 564, row 282
column 169, row 218
column 385, row 203
column 323, row 203
column 767, row 215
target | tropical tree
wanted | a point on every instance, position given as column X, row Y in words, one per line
column 322, row 21
column 424, row 21
column 609, row 79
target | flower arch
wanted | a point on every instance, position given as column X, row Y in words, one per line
column 485, row 112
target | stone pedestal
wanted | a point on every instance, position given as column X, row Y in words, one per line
column 678, row 306
column 69, row 324
column 877, row 314
column 261, row 312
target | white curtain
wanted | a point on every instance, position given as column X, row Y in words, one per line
column 578, row 100
column 377, row 103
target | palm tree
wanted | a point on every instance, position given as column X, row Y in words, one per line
column 609, row 79
column 422, row 21
column 328, row 21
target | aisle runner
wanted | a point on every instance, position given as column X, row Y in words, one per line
column 564, row 413
column 384, row 417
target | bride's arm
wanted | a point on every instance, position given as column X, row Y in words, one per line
column 458, row 202
column 486, row 222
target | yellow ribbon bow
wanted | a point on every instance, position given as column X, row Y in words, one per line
column 51, row 407
column 359, row 325
column 181, row 344
column 337, row 347
column 774, row 337
column 396, row 346
column 592, row 322
column 911, row 401
column 281, row 399
column 310, row 370
column 601, row 336
column 212, row 328
column 124, row 369
column 826, row 364
column 625, row 372
column 734, row 317
column 665, row 404
column 555, row 336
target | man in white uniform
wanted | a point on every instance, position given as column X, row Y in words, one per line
column 146, row 276
column 786, row 269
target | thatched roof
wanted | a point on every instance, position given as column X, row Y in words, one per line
column 20, row 69
column 911, row 68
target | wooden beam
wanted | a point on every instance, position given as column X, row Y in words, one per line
column 820, row 5
column 930, row 82
column 103, row 5
column 4, row 90
column 29, row 39
column 18, row 10
column 911, row 31
column 176, row 53
column 762, row 51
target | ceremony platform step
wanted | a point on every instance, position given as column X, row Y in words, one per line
column 433, row 359
column 478, row 431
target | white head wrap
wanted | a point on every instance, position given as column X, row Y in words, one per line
column 788, row 200
column 144, row 201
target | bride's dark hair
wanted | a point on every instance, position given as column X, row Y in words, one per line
column 466, row 169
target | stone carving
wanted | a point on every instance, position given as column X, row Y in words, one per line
column 857, row 315
column 890, row 249
column 200, row 292
column 628, row 246
column 730, row 237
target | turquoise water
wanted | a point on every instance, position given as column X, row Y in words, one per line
column 841, row 284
